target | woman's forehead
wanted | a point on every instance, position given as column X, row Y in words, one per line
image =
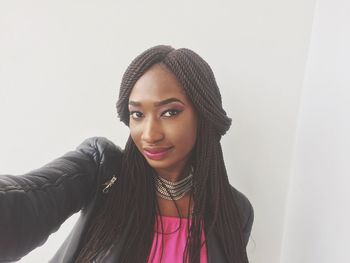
column 157, row 84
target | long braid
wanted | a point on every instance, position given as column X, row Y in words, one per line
column 199, row 83
column 134, row 190
column 133, row 197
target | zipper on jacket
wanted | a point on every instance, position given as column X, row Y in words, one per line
column 109, row 184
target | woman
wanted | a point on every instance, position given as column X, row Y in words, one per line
column 165, row 198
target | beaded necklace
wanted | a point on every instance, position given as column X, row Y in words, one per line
column 173, row 190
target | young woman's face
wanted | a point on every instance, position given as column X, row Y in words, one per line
column 163, row 122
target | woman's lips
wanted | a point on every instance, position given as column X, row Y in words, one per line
column 156, row 153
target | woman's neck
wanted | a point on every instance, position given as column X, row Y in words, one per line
column 173, row 175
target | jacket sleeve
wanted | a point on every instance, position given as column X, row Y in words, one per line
column 34, row 205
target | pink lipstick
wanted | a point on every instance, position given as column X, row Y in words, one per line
column 156, row 153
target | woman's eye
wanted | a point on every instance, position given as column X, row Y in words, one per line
column 170, row 113
column 136, row 115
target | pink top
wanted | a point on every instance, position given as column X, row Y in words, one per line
column 174, row 241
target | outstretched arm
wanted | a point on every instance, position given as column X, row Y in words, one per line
column 34, row 205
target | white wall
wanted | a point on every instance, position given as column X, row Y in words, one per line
column 317, row 228
column 61, row 63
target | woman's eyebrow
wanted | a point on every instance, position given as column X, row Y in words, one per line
column 158, row 103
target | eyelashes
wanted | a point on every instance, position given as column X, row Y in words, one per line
column 136, row 115
column 170, row 113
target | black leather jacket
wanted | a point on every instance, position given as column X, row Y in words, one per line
column 34, row 205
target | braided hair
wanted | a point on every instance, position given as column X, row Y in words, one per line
column 133, row 197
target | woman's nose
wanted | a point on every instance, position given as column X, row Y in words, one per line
column 152, row 131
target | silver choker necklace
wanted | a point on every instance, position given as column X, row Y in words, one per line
column 173, row 190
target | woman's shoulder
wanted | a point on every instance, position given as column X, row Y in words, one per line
column 99, row 147
column 246, row 212
column 106, row 154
